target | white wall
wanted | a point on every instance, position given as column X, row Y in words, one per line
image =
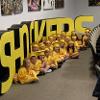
column 73, row 8
column 82, row 8
column 7, row 21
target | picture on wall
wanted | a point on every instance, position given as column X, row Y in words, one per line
column 9, row 7
column 34, row 5
column 6, row 7
column 48, row 4
column 17, row 6
column 94, row 2
column 59, row 4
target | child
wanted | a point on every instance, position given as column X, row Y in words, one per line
column 63, row 50
column 74, row 38
column 35, row 64
column 85, row 38
column 35, row 47
column 44, row 68
column 51, row 39
column 41, row 46
column 51, row 63
column 25, row 75
column 56, row 52
column 49, row 45
column 73, row 52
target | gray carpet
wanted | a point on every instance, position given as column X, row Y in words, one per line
column 74, row 81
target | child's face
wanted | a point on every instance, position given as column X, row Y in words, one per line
column 50, row 39
column 35, row 48
column 67, row 39
column 47, row 53
column 85, row 38
column 62, row 45
column 41, row 57
column 74, row 38
column 87, row 32
column 56, row 49
column 59, row 38
column 47, row 43
column 33, row 59
column 44, row 41
column 27, row 63
column 63, row 36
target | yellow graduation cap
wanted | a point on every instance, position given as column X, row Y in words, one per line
column 68, row 37
column 35, row 45
column 34, row 54
column 56, row 44
column 50, row 37
column 47, row 49
column 40, row 52
column 71, row 42
column 48, row 41
column 62, row 41
column 42, row 45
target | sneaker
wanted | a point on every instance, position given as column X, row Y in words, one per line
column 49, row 71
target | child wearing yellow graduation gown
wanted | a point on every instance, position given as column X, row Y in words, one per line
column 85, row 38
column 44, row 67
column 73, row 52
column 67, row 39
column 35, row 47
column 74, row 38
column 51, row 63
column 41, row 46
column 51, row 39
column 63, row 50
column 49, row 45
column 57, row 54
column 35, row 64
column 25, row 75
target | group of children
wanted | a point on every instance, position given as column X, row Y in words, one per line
column 49, row 55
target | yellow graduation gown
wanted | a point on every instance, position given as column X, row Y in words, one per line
column 36, row 67
column 25, row 76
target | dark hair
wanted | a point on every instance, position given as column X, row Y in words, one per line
column 68, row 47
column 81, row 38
column 74, row 35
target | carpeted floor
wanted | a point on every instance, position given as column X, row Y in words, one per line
column 74, row 81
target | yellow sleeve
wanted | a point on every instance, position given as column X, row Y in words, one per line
column 53, row 61
column 38, row 65
column 51, row 48
column 31, row 66
column 63, row 52
column 57, row 57
column 77, row 47
column 54, row 55
column 76, row 44
column 49, row 60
